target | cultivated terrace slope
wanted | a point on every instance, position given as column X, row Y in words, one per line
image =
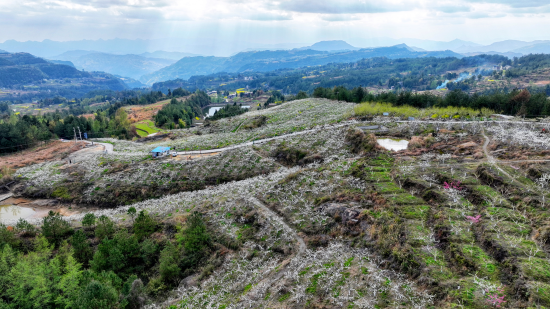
column 312, row 214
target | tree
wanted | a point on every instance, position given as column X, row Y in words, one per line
column 195, row 237
column 169, row 268
column 144, row 225
column 301, row 95
column 132, row 212
column 7, row 236
column 82, row 250
column 55, row 228
column 105, row 228
column 25, row 227
column 89, row 220
column 97, row 295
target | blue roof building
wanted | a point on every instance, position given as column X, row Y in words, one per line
column 160, row 151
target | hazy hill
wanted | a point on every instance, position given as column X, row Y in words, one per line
column 539, row 48
column 167, row 55
column 262, row 61
column 69, row 63
column 23, row 68
column 34, row 78
column 337, row 45
column 499, row 47
column 133, row 66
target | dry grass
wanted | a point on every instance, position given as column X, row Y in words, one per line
column 145, row 112
column 48, row 152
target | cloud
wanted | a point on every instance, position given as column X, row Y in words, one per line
column 122, row 3
column 340, row 17
column 515, row 3
column 343, row 7
column 267, row 16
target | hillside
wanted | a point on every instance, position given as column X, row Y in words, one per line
column 133, row 66
column 26, row 77
column 262, row 61
column 410, row 74
column 315, row 213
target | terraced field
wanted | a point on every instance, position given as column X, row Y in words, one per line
column 322, row 219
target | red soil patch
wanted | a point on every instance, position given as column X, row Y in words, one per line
column 51, row 151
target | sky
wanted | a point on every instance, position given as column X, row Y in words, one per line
column 274, row 22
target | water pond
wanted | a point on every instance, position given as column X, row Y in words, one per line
column 213, row 109
column 393, row 144
column 11, row 213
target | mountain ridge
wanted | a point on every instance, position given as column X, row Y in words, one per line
column 262, row 61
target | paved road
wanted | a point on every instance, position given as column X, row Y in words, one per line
column 265, row 140
column 106, row 146
column 5, row 196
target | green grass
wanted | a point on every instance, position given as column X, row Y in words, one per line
column 365, row 109
column 146, row 126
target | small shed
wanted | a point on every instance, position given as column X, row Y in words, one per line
column 160, row 151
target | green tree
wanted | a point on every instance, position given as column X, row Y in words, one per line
column 132, row 212
column 169, row 268
column 7, row 237
column 144, row 225
column 82, row 250
column 97, row 295
column 301, row 95
column 55, row 228
column 195, row 237
column 89, row 220
column 105, row 227
column 25, row 227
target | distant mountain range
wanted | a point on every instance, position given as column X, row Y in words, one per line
column 263, row 61
column 167, row 55
column 133, row 66
column 34, row 78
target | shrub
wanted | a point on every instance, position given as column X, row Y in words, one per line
column 105, row 228
column 55, row 228
column 289, row 156
column 360, row 142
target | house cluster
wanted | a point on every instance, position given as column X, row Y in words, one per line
column 212, row 92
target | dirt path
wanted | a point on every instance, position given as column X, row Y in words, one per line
column 268, row 213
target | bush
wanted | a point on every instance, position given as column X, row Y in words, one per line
column 55, row 228
column 105, row 228
column 144, row 225
column 360, row 142
column 288, row 156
